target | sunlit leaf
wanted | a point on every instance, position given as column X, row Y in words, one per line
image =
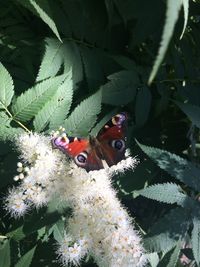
column 29, row 103
column 196, row 239
column 193, row 112
column 176, row 166
column 26, row 259
column 43, row 10
column 6, row 87
column 84, row 116
column 5, row 254
column 173, row 8
column 51, row 61
column 51, row 112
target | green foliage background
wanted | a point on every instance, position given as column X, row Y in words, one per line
column 76, row 63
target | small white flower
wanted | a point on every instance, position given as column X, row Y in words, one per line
column 15, row 204
column 21, row 176
column 16, row 178
column 19, row 165
column 99, row 225
column 123, row 165
column 19, row 169
column 70, row 251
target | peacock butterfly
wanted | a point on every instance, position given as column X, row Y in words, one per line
column 107, row 148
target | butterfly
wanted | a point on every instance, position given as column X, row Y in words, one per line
column 107, row 148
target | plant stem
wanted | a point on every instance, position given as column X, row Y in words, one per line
column 22, row 125
column 12, row 118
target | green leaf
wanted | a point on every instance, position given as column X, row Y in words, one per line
column 42, row 9
column 161, row 192
column 121, row 88
column 186, row 13
column 28, row 104
column 4, row 119
column 143, row 99
column 6, row 87
column 72, row 60
column 26, row 259
column 60, row 102
column 17, row 234
column 63, row 108
column 175, row 255
column 153, row 259
column 5, row 254
column 41, row 220
column 193, row 112
column 110, row 11
column 6, row 131
column 176, row 166
column 173, row 8
column 84, row 116
column 58, row 230
column 165, row 233
column 92, row 68
column 51, row 61
column 196, row 239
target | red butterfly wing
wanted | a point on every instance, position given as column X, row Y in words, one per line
column 112, row 139
column 115, row 128
column 71, row 146
column 80, row 150
column 88, row 154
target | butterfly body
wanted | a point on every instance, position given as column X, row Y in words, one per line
column 92, row 154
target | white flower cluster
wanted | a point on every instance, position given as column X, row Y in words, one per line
column 99, row 225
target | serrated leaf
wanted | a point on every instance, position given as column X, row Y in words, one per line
column 52, row 59
column 168, row 193
column 196, row 239
column 143, row 99
column 153, row 259
column 26, row 259
column 84, row 116
column 173, row 8
column 17, row 234
column 60, row 114
column 6, row 87
column 121, row 88
column 6, row 131
column 43, row 10
column 175, row 255
column 193, row 112
column 176, row 166
column 165, row 233
column 4, row 119
column 72, row 60
column 5, row 254
column 51, row 110
column 28, row 104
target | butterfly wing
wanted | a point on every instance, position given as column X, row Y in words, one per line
column 80, row 150
column 109, row 145
column 112, row 139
